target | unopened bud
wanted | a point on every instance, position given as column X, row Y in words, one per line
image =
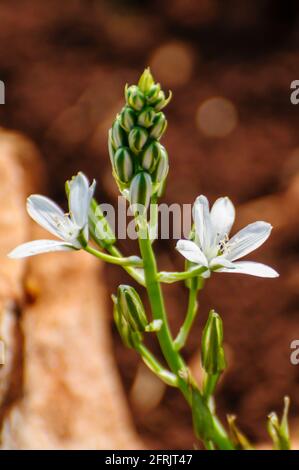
column 118, row 135
column 137, row 139
column 161, row 169
column 161, row 101
column 153, row 93
column 132, row 308
column 146, row 117
column 159, row 126
column 124, row 164
column 150, row 156
column 141, row 191
column 213, row 360
column 129, row 338
column 134, row 97
column 146, row 81
column 127, row 118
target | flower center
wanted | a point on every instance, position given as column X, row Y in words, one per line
column 222, row 245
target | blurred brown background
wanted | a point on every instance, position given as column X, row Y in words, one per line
column 232, row 131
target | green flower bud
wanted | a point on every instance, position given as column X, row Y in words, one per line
column 161, row 101
column 134, row 97
column 212, row 352
column 161, row 170
column 150, row 156
column 118, row 135
column 153, row 93
column 129, row 338
column 137, row 139
column 141, row 190
column 127, row 118
column 132, row 308
column 146, row 81
column 146, row 117
column 123, row 164
column 279, row 431
column 159, row 126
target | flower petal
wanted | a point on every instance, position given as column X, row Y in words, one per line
column 191, row 252
column 247, row 240
column 39, row 246
column 48, row 214
column 79, row 199
column 251, row 268
column 222, row 218
column 203, row 228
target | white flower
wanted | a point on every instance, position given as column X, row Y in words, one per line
column 213, row 249
column 72, row 228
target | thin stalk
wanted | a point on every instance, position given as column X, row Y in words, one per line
column 129, row 261
column 182, row 336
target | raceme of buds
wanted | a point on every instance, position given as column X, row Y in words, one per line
column 132, row 308
column 133, row 141
column 212, row 352
column 141, row 191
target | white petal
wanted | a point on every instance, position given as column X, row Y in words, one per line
column 48, row 214
column 202, row 221
column 247, row 240
column 222, row 218
column 79, row 199
column 191, row 252
column 251, row 268
column 39, row 246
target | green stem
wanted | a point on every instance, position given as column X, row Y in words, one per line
column 130, row 261
column 182, row 336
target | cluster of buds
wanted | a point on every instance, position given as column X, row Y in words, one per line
column 139, row 161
